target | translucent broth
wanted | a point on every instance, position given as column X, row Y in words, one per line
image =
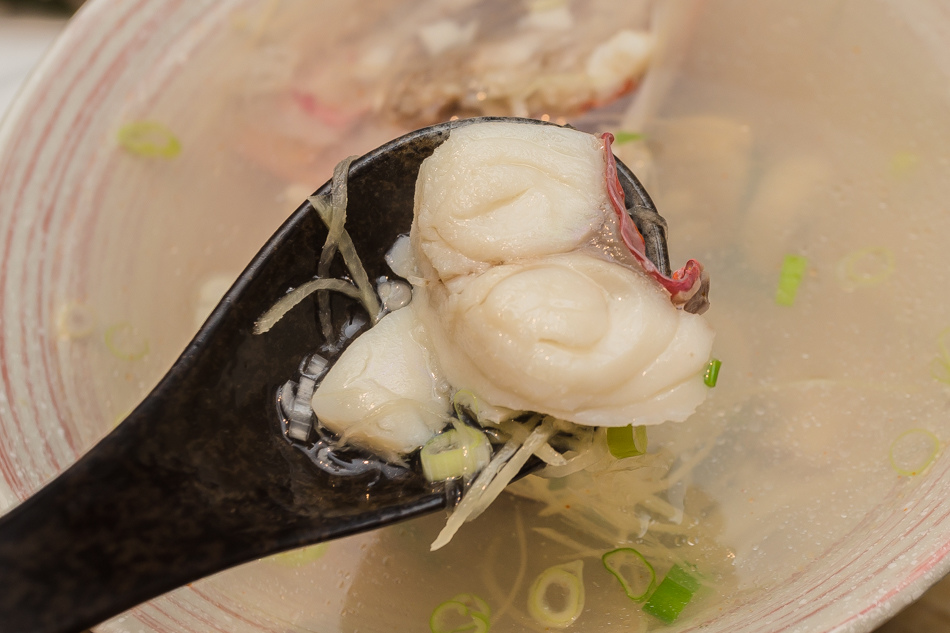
column 841, row 106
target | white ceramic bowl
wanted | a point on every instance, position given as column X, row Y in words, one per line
column 793, row 112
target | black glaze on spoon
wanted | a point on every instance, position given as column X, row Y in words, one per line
column 199, row 477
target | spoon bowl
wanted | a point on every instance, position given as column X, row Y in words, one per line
column 201, row 476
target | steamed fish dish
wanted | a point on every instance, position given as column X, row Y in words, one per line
column 532, row 322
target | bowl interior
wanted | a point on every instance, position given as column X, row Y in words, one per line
column 768, row 131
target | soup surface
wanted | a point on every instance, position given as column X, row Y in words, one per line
column 797, row 151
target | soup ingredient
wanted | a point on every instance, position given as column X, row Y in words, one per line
column 623, row 137
column 294, row 399
column 556, row 597
column 125, row 342
column 490, row 483
column 790, row 278
column 688, row 286
column 150, row 139
column 380, row 394
column 627, row 441
column 632, row 570
column 465, row 613
column 534, row 289
column 913, row 451
column 672, row 594
column 573, row 336
column 866, row 267
column 333, row 215
column 534, row 68
column 712, row 372
column 460, row 452
column 532, row 299
column 501, row 192
column 270, row 318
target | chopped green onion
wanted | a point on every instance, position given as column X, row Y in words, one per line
column 793, row 270
column 622, row 137
column 902, row 163
column 459, row 452
column 567, row 581
column 672, row 595
column 913, row 451
column 465, row 613
column 712, row 372
column 866, row 267
column 125, row 343
column 635, row 574
column 301, row 556
column 150, row 139
column 627, row 441
column 474, row 603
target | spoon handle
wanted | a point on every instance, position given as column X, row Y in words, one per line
column 141, row 514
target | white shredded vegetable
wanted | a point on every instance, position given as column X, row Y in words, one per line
column 545, row 452
column 295, row 296
column 510, row 470
column 468, row 501
column 588, row 450
column 335, row 223
column 350, row 258
column 488, row 485
column 337, row 219
column 333, row 215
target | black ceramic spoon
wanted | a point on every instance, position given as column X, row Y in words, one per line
column 199, row 477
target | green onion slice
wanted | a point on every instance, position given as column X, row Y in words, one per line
column 474, row 603
column 790, row 278
column 940, row 370
column 712, row 372
column 458, row 452
column 903, row 163
column 627, row 441
column 567, row 581
column 866, row 267
column 672, row 595
column 622, row 137
column 465, row 613
column 913, row 451
column 150, row 139
column 125, row 343
column 635, row 573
